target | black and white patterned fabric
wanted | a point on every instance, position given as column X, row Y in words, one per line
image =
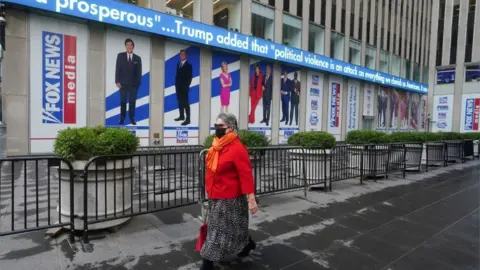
column 227, row 232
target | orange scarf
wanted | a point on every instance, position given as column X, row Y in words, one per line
column 217, row 147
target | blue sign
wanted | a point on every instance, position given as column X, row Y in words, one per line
column 313, row 118
column 287, row 133
column 469, row 105
column 131, row 16
column 314, row 105
column 52, row 77
column 182, row 136
column 314, row 92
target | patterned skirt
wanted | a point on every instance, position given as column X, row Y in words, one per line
column 227, row 232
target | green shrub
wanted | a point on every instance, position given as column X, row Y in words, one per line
column 471, row 136
column 248, row 137
column 367, row 137
column 312, row 139
column 403, row 136
column 87, row 142
column 447, row 136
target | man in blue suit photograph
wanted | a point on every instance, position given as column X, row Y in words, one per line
column 285, row 90
column 128, row 76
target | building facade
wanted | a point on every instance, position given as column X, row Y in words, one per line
column 350, row 64
column 455, row 76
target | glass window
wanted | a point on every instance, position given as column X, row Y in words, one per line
column 445, row 75
column 408, row 68
column 472, row 73
column 355, row 52
column 416, row 72
column 263, row 21
column 142, row 3
column 292, row 31
column 396, row 65
column 337, row 46
column 383, row 61
column 227, row 14
column 370, row 57
column 316, row 39
column 425, row 75
column 184, row 8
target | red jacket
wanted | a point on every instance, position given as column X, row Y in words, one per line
column 256, row 89
column 234, row 176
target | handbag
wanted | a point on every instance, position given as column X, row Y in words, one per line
column 202, row 236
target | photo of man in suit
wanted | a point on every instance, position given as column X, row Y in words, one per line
column 183, row 79
column 285, row 90
column 267, row 94
column 294, row 99
column 128, row 77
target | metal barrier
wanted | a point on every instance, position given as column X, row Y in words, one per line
column 345, row 163
column 435, row 154
column 278, row 169
column 123, row 186
column 454, row 151
column 170, row 148
column 31, row 191
column 468, row 150
column 413, row 156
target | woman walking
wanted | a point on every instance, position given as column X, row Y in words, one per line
column 230, row 188
column 226, row 83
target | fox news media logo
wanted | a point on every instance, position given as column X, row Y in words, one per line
column 442, row 116
column 314, row 92
column 314, row 105
column 313, row 119
column 442, row 107
column 315, row 79
column 443, row 100
column 287, row 133
column 59, row 78
column 182, row 136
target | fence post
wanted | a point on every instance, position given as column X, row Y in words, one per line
column 445, row 153
column 404, row 158
column 201, row 184
column 85, row 202
column 330, row 157
column 72, row 201
column 361, row 165
column 304, row 172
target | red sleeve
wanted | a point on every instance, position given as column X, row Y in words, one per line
column 244, row 169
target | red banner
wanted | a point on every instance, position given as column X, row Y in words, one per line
column 70, row 80
column 476, row 112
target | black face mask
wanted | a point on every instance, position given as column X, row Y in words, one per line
column 220, row 132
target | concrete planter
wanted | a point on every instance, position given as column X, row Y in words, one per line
column 317, row 165
column 101, row 188
column 453, row 152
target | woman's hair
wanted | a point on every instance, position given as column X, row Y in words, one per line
column 229, row 119
column 224, row 64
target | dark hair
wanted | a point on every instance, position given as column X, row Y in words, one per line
column 257, row 66
column 183, row 51
column 129, row 40
column 295, row 74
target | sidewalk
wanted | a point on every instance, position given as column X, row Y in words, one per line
column 427, row 221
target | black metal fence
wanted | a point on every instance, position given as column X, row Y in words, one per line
column 123, row 186
column 35, row 190
column 30, row 191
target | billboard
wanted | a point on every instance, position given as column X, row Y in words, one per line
column 470, row 114
column 58, row 80
column 334, row 108
column 442, row 113
column 290, row 96
column 353, row 100
column 127, row 83
column 314, row 101
column 260, row 93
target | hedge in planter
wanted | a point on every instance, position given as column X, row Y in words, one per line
column 315, row 156
column 105, row 180
column 248, row 137
column 357, row 137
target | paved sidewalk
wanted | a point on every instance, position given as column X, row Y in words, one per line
column 427, row 221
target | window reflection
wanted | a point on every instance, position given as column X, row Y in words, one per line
column 142, row 3
column 396, row 65
column 227, row 14
column 292, row 31
column 337, row 46
column 355, row 52
column 183, row 8
column 370, row 57
column 316, row 39
column 383, row 61
column 262, row 21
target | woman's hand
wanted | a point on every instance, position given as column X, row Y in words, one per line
column 252, row 205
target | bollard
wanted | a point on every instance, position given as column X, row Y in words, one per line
column 2, row 140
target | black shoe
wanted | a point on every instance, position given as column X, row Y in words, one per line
column 179, row 119
column 249, row 247
column 133, row 122
column 120, row 122
column 186, row 122
column 283, row 120
column 207, row 265
column 263, row 121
